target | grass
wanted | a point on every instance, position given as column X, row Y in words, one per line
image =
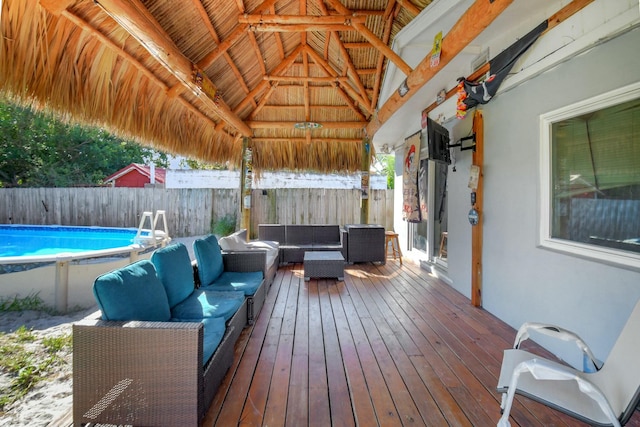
column 31, row 302
column 25, row 358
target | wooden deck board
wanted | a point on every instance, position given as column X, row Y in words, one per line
column 389, row 346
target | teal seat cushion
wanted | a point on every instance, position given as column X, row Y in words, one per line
column 201, row 304
column 133, row 292
column 173, row 266
column 247, row 282
column 209, row 259
column 214, row 329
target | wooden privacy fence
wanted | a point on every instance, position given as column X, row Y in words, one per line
column 190, row 212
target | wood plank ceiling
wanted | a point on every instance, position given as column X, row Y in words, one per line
column 293, row 72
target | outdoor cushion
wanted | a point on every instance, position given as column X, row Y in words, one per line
column 209, row 258
column 235, row 242
column 271, row 247
column 201, row 304
column 247, row 282
column 133, row 292
column 214, row 329
column 232, row 242
column 173, row 266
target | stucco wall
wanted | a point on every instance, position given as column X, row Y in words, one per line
column 522, row 282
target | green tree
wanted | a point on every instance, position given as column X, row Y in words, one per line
column 36, row 150
column 385, row 164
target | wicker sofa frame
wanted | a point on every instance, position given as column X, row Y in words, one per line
column 152, row 373
column 358, row 242
column 296, row 239
column 145, row 373
column 270, row 270
column 245, row 261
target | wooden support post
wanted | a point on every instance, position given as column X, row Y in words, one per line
column 364, row 182
column 245, row 186
column 476, row 230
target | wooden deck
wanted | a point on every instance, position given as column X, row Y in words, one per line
column 389, row 346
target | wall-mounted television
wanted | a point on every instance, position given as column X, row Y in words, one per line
column 438, row 142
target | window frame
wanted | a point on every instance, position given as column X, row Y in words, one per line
column 592, row 252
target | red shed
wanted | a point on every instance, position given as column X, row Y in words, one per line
column 136, row 175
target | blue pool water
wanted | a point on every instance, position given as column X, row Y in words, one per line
column 33, row 240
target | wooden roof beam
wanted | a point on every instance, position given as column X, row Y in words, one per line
column 553, row 20
column 283, row 66
column 388, row 25
column 263, row 101
column 56, row 7
column 373, row 39
column 411, row 8
column 471, row 24
column 214, row 35
column 299, row 28
column 132, row 16
column 349, row 62
column 306, row 79
column 320, row 61
column 235, row 35
column 303, row 19
column 313, row 107
column 256, row 124
column 301, row 140
column 133, row 61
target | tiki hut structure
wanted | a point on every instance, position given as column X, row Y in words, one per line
column 298, row 81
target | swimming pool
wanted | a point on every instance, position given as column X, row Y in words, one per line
column 59, row 264
column 38, row 240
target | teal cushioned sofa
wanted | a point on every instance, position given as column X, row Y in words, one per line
column 241, row 271
column 139, row 365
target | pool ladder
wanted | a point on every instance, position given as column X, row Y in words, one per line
column 153, row 234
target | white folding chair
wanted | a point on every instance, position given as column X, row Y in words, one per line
column 606, row 396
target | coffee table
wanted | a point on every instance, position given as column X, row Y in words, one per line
column 323, row 264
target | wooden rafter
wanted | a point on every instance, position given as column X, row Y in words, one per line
column 305, row 79
column 388, row 24
column 235, row 35
column 255, row 124
column 313, row 140
column 472, row 22
column 555, row 19
column 56, row 6
column 371, row 37
column 133, row 17
column 301, row 107
column 327, row 67
column 277, row 36
column 306, row 20
column 263, row 101
column 81, row 23
column 214, row 35
column 258, row 53
column 409, row 6
column 348, row 61
column 284, row 64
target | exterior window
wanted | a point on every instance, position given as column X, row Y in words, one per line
column 592, row 152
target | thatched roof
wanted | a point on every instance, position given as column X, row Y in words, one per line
column 194, row 77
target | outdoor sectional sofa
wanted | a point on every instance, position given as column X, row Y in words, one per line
column 232, row 271
column 356, row 242
column 162, row 347
column 296, row 239
column 237, row 242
